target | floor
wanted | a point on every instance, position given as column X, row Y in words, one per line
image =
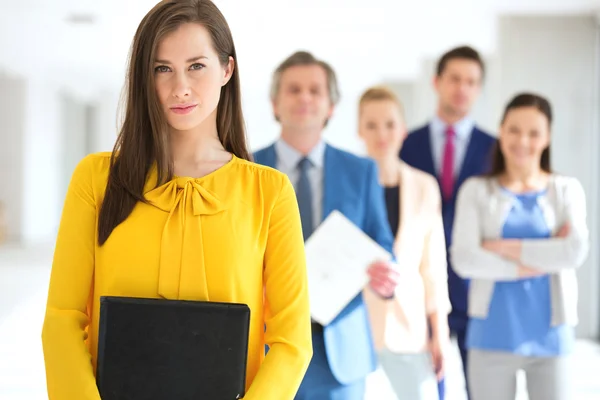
column 24, row 276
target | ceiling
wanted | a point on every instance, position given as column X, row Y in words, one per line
column 387, row 38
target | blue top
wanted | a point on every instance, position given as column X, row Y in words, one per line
column 519, row 317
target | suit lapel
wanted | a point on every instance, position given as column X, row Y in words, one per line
column 269, row 157
column 331, row 186
column 428, row 164
column 471, row 162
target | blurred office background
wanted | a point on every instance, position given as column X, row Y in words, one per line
column 62, row 67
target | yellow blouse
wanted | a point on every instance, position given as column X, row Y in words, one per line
column 231, row 236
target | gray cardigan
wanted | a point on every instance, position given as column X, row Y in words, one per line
column 481, row 210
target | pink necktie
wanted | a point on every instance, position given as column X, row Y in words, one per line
column 448, row 164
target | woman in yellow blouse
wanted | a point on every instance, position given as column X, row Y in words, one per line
column 177, row 212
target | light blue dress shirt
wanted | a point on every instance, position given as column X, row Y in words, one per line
column 287, row 162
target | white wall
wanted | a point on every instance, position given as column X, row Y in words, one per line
column 75, row 136
column 105, row 109
column 30, row 150
column 12, row 133
column 41, row 163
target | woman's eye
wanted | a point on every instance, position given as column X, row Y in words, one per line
column 196, row 66
column 162, row 68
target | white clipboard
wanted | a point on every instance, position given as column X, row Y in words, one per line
column 338, row 254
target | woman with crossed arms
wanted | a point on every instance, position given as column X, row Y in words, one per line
column 519, row 234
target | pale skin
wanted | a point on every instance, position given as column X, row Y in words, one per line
column 383, row 130
column 524, row 134
column 188, row 78
column 302, row 106
column 457, row 87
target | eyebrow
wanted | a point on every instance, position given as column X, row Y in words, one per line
column 187, row 61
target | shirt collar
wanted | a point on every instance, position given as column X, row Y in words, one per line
column 462, row 128
column 289, row 157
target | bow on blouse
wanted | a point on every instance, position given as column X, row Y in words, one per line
column 182, row 273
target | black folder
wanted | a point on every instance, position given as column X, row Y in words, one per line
column 157, row 349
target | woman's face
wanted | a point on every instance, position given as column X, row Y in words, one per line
column 189, row 76
column 524, row 135
column 382, row 129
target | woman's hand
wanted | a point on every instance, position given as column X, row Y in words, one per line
column 437, row 348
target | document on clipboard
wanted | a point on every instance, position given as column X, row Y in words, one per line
column 338, row 254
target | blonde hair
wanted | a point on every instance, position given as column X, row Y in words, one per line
column 379, row 93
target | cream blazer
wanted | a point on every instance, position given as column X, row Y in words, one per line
column 401, row 323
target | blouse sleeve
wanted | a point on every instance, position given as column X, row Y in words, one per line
column 69, row 372
column 288, row 332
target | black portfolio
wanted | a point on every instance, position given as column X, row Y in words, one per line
column 155, row 349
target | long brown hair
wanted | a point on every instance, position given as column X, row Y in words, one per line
column 143, row 139
column 519, row 101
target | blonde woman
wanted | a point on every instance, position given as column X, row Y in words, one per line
column 410, row 329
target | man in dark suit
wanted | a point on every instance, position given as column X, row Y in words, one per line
column 452, row 148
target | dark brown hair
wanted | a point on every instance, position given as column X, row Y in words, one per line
column 462, row 52
column 519, row 101
column 143, row 139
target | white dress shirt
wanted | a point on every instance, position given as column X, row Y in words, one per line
column 437, row 131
